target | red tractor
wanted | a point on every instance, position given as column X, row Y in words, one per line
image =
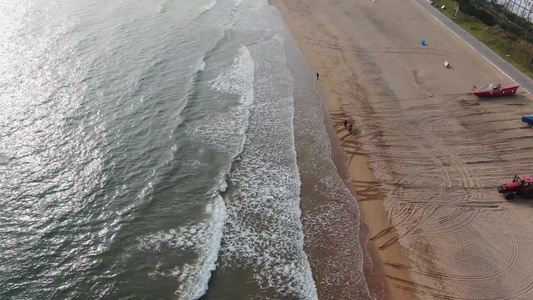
column 522, row 185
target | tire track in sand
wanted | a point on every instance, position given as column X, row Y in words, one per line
column 441, row 275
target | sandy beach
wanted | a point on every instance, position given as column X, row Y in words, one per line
column 425, row 156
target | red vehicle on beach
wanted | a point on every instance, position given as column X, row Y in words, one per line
column 490, row 90
column 522, row 185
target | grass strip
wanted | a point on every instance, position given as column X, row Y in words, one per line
column 511, row 48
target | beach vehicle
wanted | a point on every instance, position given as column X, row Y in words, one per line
column 528, row 119
column 522, row 185
column 490, row 90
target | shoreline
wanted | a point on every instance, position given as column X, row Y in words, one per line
column 340, row 263
column 372, row 265
column 352, row 170
column 356, row 174
column 426, row 156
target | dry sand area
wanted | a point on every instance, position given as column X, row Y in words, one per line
column 425, row 156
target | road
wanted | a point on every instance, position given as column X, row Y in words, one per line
column 516, row 75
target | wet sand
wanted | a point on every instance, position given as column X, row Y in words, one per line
column 425, row 156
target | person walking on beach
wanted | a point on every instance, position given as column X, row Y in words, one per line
column 317, row 75
column 345, row 123
column 350, row 128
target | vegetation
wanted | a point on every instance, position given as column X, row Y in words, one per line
column 507, row 34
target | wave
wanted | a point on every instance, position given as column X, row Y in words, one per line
column 208, row 7
column 237, row 4
column 239, row 79
column 225, row 131
column 203, row 238
column 263, row 230
column 202, row 66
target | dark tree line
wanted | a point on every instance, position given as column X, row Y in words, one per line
column 491, row 14
column 478, row 11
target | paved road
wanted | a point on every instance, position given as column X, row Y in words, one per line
column 525, row 82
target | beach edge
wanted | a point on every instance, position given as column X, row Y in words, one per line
column 373, row 215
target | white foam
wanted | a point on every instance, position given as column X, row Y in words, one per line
column 223, row 186
column 239, row 78
column 193, row 164
column 208, row 6
column 202, row 66
column 226, row 131
column 223, row 131
column 203, row 238
column 263, row 229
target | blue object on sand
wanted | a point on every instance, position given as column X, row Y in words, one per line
column 528, row 119
column 423, row 42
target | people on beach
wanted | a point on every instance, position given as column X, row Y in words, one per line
column 317, row 75
column 350, row 128
column 345, row 123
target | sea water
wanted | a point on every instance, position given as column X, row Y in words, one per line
column 148, row 149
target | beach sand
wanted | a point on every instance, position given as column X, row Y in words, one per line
column 425, row 156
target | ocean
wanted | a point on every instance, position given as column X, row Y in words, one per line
column 160, row 149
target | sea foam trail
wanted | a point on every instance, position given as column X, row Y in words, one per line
column 239, row 78
column 208, row 6
column 203, row 238
column 202, row 66
column 331, row 218
column 225, row 132
column 263, row 231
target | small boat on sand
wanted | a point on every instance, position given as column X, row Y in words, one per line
column 491, row 90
